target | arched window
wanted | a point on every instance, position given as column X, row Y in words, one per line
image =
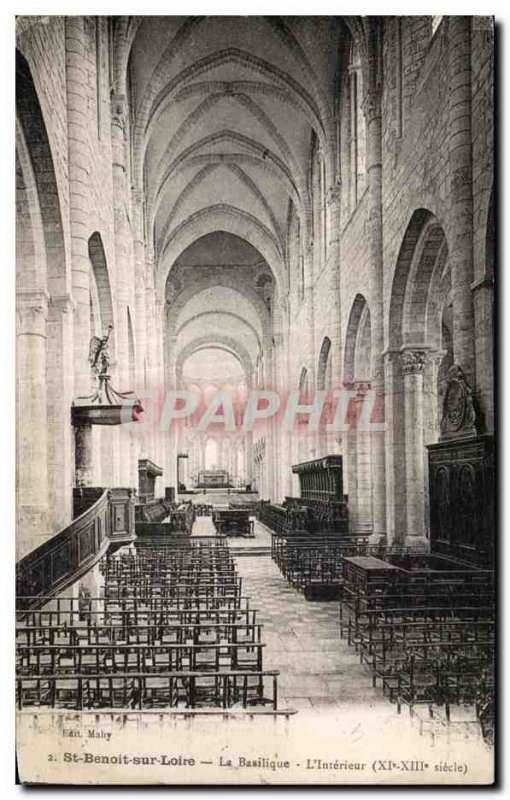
column 324, row 374
column 357, row 127
column 295, row 259
column 317, row 194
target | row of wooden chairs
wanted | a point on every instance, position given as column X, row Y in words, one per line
column 435, row 649
column 110, row 658
column 170, row 628
column 135, row 612
column 170, row 690
column 318, row 560
column 150, row 634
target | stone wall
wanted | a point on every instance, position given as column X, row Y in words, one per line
column 428, row 179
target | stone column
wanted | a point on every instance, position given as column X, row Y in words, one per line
column 431, row 419
column 483, row 296
column 395, row 447
column 353, row 139
column 84, row 452
column 79, row 193
column 139, row 440
column 374, row 170
column 149, row 316
column 461, row 193
column 334, row 205
column 248, row 456
column 277, row 448
column 413, row 365
column 350, row 469
column 122, row 266
column 60, row 392
column 309, row 320
column 168, row 438
column 286, row 436
column 140, row 286
column 32, row 455
column 159, row 334
column 364, row 522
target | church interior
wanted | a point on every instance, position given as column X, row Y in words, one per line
column 292, row 215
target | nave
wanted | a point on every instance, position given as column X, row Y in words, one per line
column 255, row 273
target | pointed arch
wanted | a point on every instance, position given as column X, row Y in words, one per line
column 194, row 184
column 219, row 342
column 358, row 309
column 32, row 131
column 423, row 252
column 101, row 279
column 322, row 365
column 228, row 219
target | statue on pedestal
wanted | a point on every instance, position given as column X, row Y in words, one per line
column 99, row 357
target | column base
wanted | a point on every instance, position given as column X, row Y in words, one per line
column 417, row 544
column 377, row 538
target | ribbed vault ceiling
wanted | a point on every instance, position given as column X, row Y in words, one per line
column 225, row 109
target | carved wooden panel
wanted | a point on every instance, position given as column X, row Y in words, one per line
column 57, row 562
column 461, row 486
column 87, row 542
column 119, row 518
column 61, row 561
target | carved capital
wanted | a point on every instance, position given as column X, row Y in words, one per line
column 436, row 358
column 391, row 356
column 119, row 110
column 31, row 312
column 413, row 362
column 61, row 305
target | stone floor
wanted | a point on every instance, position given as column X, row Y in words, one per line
column 317, row 668
column 319, row 671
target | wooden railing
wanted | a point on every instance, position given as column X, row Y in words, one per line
column 60, row 561
column 274, row 516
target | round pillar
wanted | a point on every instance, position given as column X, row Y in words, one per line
column 413, row 366
column 460, row 253
column 364, row 522
column 84, row 455
column 32, row 455
column 79, row 193
column 374, row 168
